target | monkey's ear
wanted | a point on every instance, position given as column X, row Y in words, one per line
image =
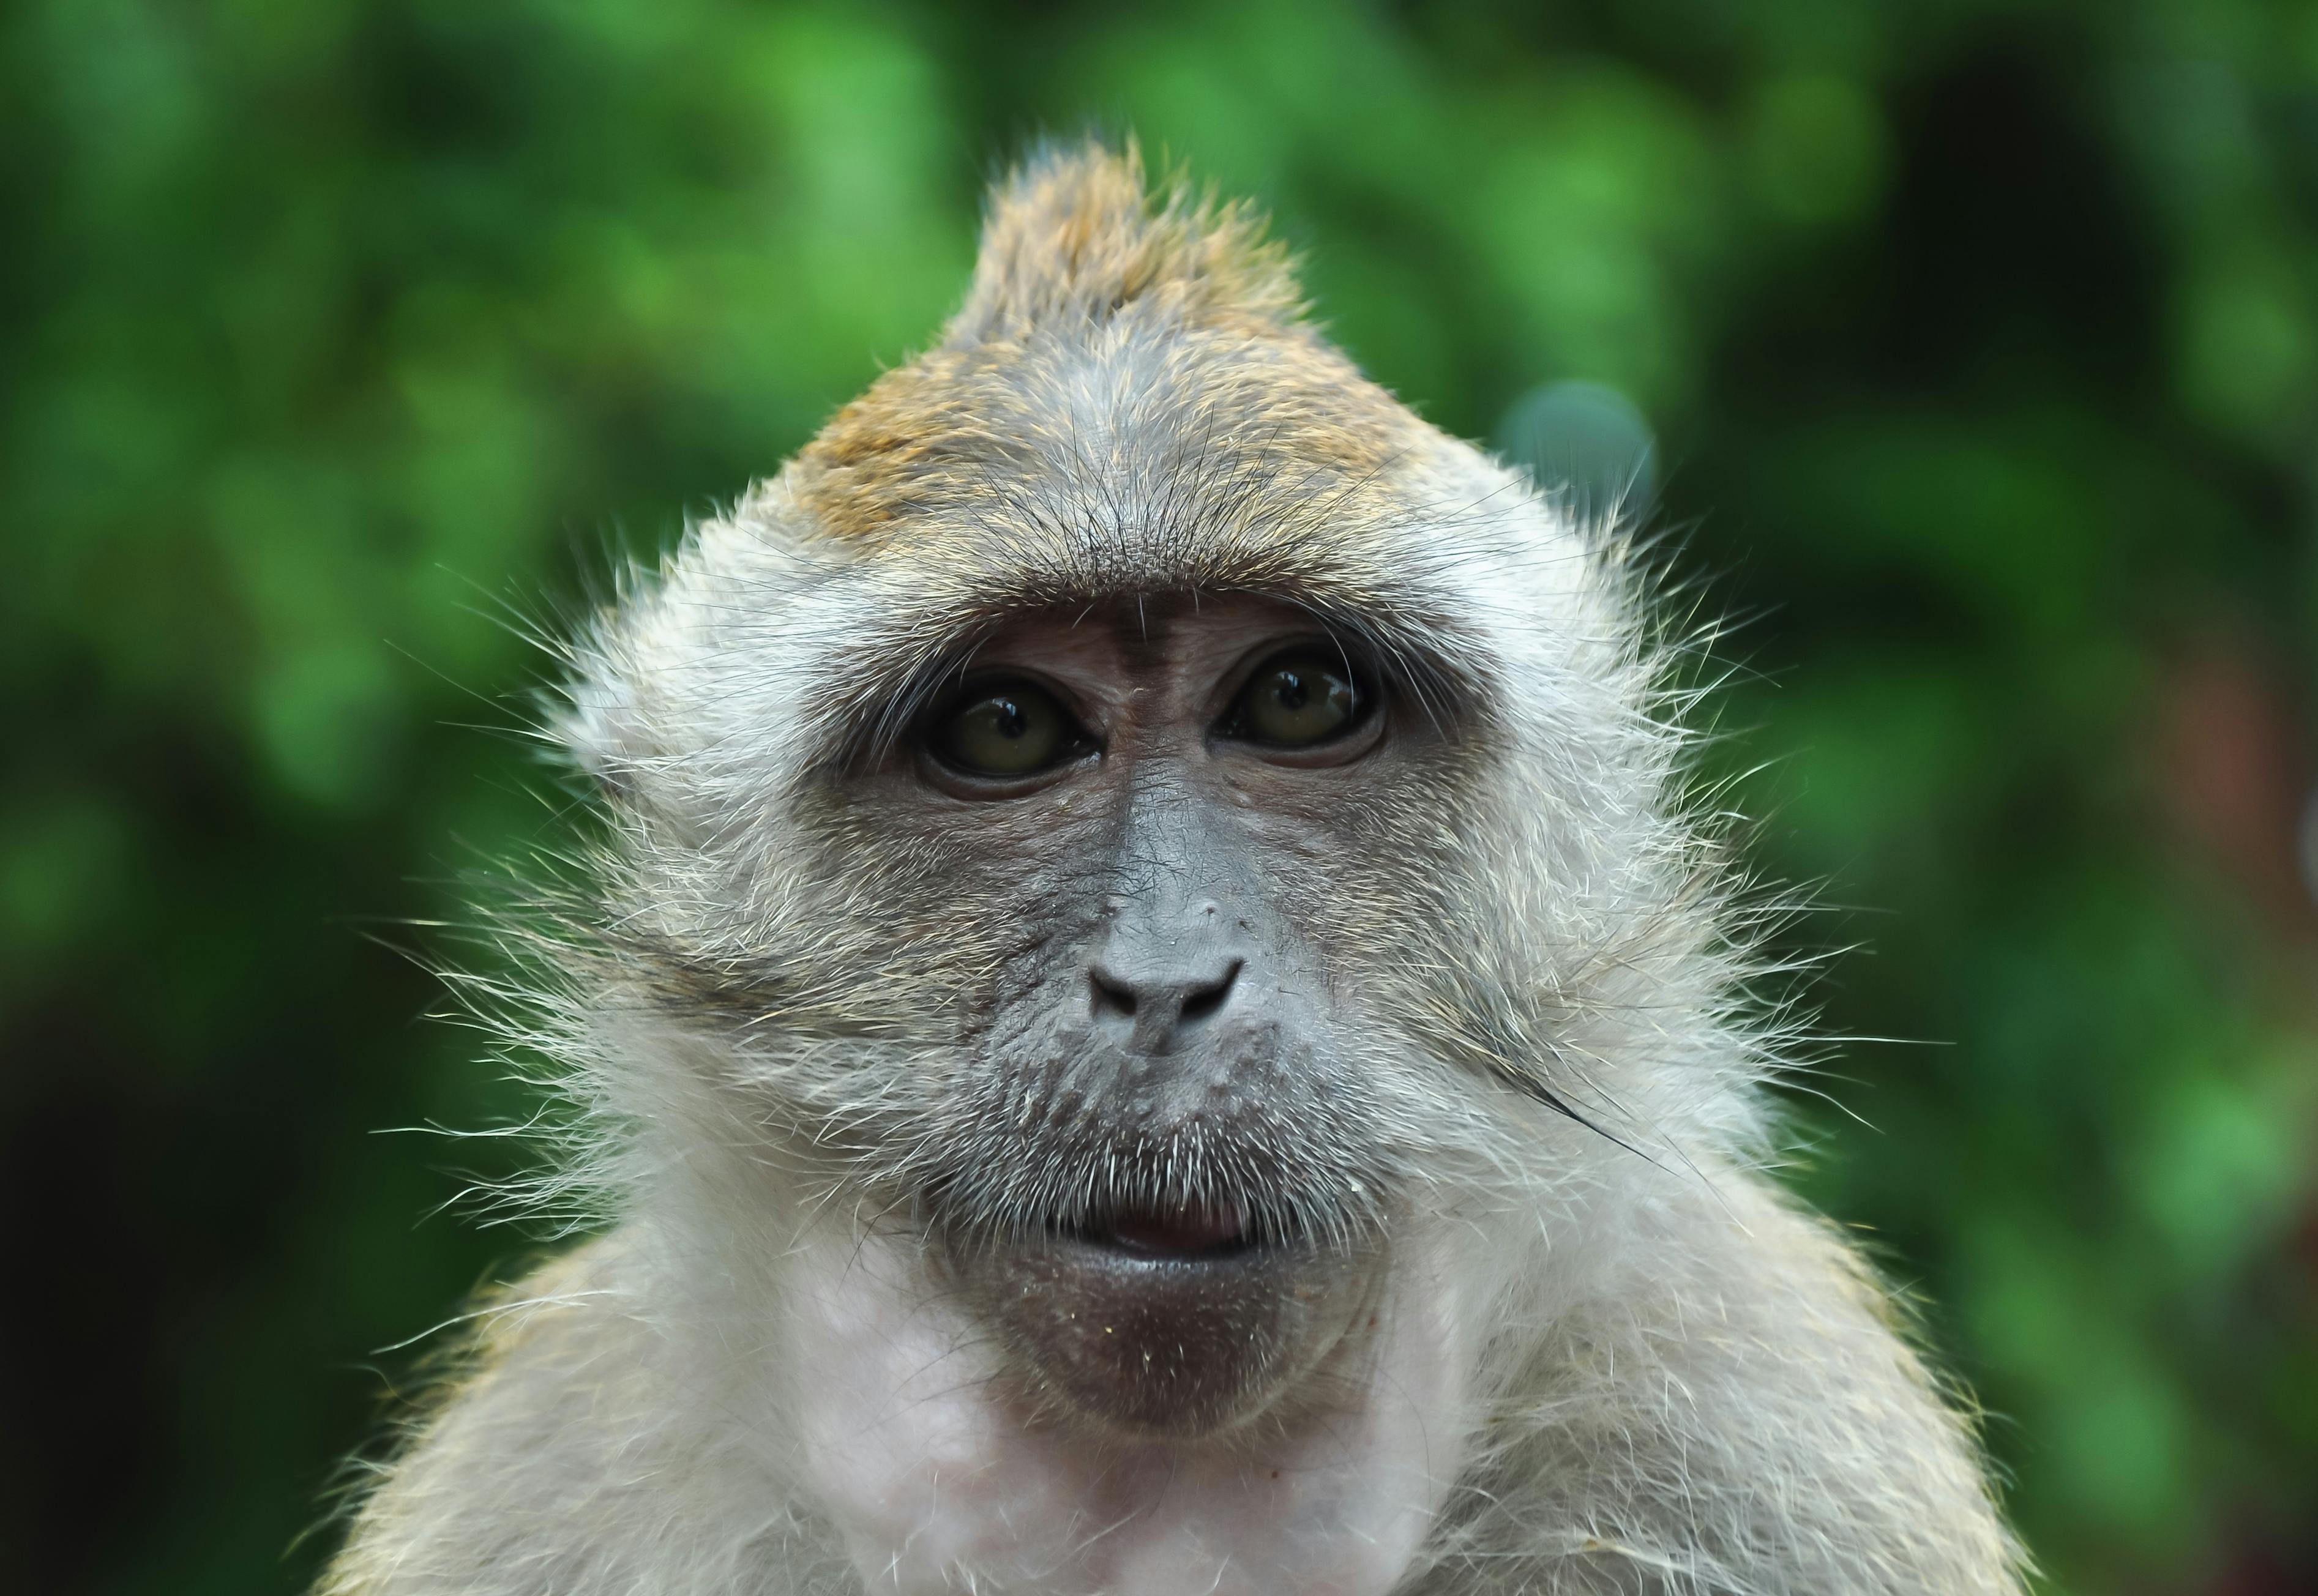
column 1074, row 238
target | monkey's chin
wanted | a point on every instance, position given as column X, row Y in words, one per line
column 1166, row 1330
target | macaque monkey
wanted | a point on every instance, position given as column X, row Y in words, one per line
column 1151, row 1019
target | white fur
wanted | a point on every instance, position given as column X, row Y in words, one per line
column 927, row 1478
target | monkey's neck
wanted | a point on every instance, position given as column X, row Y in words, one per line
column 935, row 1479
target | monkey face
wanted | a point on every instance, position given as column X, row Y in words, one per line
column 1158, row 1169
column 1127, row 917
column 1090, row 796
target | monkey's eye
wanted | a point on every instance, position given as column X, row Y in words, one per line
column 1002, row 730
column 1296, row 698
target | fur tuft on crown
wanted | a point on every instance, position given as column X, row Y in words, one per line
column 1075, row 237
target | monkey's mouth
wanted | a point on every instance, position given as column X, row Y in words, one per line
column 1162, row 1286
column 1188, row 1232
column 1171, row 1319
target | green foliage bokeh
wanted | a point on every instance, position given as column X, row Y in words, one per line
column 1973, row 345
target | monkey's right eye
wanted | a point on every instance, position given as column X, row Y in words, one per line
column 1003, row 730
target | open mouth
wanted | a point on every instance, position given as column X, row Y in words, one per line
column 1187, row 1232
column 1162, row 1316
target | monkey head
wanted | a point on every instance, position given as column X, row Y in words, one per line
column 1137, row 813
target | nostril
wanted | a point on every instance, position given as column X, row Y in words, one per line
column 1157, row 1008
column 1202, row 1001
column 1110, row 997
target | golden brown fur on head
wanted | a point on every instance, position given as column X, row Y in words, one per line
column 1084, row 281
column 1075, row 238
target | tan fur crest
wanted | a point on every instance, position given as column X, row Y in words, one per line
column 1075, row 237
column 1088, row 280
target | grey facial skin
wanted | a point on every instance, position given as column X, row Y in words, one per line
column 1161, row 1048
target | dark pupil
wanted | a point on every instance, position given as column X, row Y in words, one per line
column 1292, row 693
column 1004, row 732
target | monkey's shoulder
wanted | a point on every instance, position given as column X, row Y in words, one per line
column 1783, row 1432
column 548, row 1456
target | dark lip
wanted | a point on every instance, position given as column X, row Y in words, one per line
column 1176, row 1341
column 1189, row 1235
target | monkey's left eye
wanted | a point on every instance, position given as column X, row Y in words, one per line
column 1297, row 699
column 1003, row 729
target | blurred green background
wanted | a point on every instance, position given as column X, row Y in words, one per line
column 1979, row 345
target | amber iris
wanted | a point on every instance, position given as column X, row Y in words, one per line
column 1002, row 730
column 1296, row 699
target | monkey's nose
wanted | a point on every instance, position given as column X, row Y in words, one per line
column 1153, row 1009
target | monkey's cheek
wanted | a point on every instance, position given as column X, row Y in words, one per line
column 1159, row 1346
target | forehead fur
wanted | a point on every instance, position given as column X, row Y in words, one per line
column 1114, row 345
column 1129, row 404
